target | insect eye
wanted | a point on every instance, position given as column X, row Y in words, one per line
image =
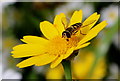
column 64, row 34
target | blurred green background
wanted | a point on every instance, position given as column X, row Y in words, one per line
column 100, row 60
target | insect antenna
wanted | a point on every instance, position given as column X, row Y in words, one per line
column 65, row 22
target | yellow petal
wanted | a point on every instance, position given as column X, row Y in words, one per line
column 89, row 23
column 76, row 17
column 58, row 22
column 28, row 62
column 94, row 16
column 25, row 50
column 37, row 60
column 82, row 46
column 93, row 32
column 34, row 40
column 69, row 52
column 56, row 62
column 45, row 59
column 55, row 73
column 48, row 29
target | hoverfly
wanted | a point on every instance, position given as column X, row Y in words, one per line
column 73, row 29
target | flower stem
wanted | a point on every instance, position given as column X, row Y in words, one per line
column 67, row 69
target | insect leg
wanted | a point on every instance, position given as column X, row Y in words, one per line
column 67, row 39
column 82, row 33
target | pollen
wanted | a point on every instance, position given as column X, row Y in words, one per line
column 73, row 41
column 59, row 45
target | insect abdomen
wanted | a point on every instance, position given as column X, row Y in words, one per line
column 74, row 27
column 77, row 25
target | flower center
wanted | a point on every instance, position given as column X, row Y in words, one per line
column 59, row 45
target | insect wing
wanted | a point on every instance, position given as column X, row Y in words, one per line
column 87, row 23
column 83, row 30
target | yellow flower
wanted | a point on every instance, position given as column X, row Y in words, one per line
column 81, row 68
column 55, row 73
column 53, row 49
